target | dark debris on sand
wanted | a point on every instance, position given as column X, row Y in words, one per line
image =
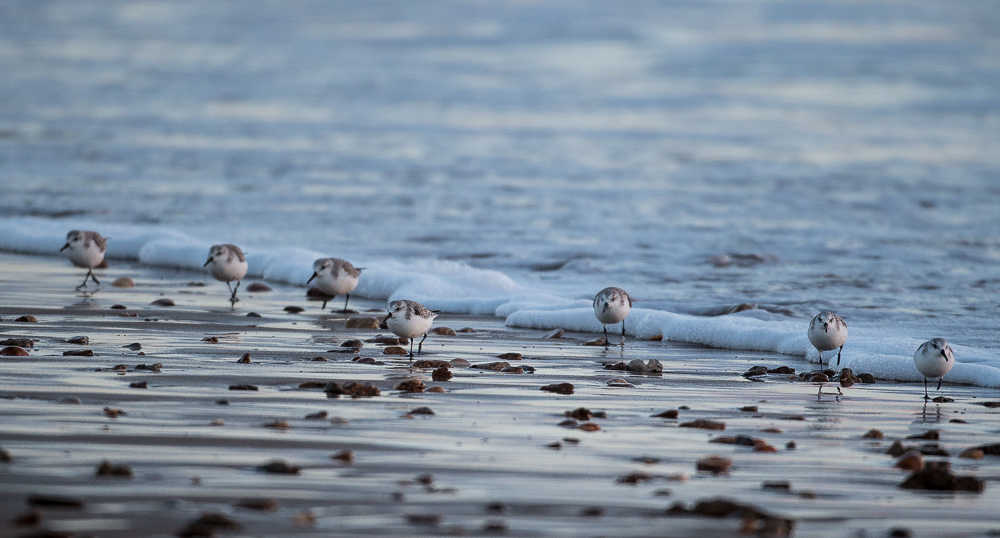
column 353, row 389
column 559, row 388
column 755, row 520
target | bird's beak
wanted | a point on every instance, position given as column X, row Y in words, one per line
column 605, row 309
column 208, row 262
column 826, row 327
column 387, row 317
column 66, row 246
column 945, row 355
column 315, row 274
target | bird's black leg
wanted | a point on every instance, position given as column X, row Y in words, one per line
column 940, row 380
column 606, row 343
column 85, row 279
column 93, row 276
column 347, row 301
column 820, row 359
column 623, row 333
column 420, row 347
column 324, row 304
column 926, row 396
column 838, row 355
column 231, row 292
column 411, row 348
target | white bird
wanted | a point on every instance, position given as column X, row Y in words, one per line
column 86, row 249
column 827, row 331
column 934, row 358
column 410, row 319
column 227, row 263
column 612, row 305
column 334, row 277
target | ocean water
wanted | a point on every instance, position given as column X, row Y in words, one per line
column 513, row 158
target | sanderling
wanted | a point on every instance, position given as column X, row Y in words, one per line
column 334, row 277
column 410, row 319
column 827, row 331
column 86, row 249
column 612, row 305
column 227, row 263
column 934, row 358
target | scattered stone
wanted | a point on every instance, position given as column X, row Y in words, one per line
column 743, row 440
column 292, row 309
column 211, row 339
column 847, row 378
column 773, row 430
column 150, row 367
column 254, row 315
column 652, row 366
column 134, row 346
column 900, row 532
column 958, row 421
column 620, row 383
column 5, row 456
column 422, row 411
column 318, row 359
column 319, row 415
column 971, row 454
column 70, row 400
column 277, row 424
column 279, row 467
column 114, row 412
column 123, row 282
column 911, row 461
column 555, row 445
column 346, row 456
column 441, row 374
column 411, row 385
column 749, row 408
column 896, row 449
column 356, row 344
column 259, row 504
column 257, row 287
column 513, row 370
column 244, row 386
column 571, row 440
column 662, row 492
column 428, row 520
column 139, row 385
column 814, row 377
column 128, row 314
column 599, row 342
column 559, row 388
column 436, row 389
column 990, row 450
column 394, row 350
column 221, row 402
column 79, row 353
column 495, row 366
column 580, row 413
column 106, row 468
column 353, row 389
column 670, row 413
column 81, row 340
column 555, row 333
column 494, row 527
column 460, row 363
column 792, row 417
column 510, row 357
column 866, row 378
column 778, row 484
column 937, row 476
column 340, row 421
column 55, row 501
column 621, row 366
column 386, row 340
column 988, row 405
column 443, row 331
column 363, row 323
column 755, row 371
column 714, row 464
column 655, row 338
column 163, row 302
column 634, row 478
column 873, row 434
column 704, row 424
column 208, row 524
column 32, row 518
column 781, row 370
column 217, row 422
column 933, row 449
column 589, row 427
column 27, row 319
column 755, row 521
column 13, row 351
column 569, row 423
column 929, row 435
column 120, row 368
column 19, row 342
column 368, row 360
column 466, row 330
column 424, row 363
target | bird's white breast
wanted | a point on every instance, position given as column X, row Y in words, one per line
column 337, row 285
column 409, row 328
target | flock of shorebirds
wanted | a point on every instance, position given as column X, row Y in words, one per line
column 410, row 319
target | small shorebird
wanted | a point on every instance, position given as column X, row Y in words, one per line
column 410, row 319
column 334, row 277
column 612, row 305
column 86, row 249
column 827, row 331
column 934, row 358
column 227, row 263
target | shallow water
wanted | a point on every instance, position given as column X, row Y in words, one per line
column 823, row 155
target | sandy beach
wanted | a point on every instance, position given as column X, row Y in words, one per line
column 497, row 456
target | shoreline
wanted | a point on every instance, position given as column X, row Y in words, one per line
column 487, row 441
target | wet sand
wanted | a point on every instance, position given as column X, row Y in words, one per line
column 486, row 448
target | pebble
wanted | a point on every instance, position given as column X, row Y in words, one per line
column 599, row 342
column 571, row 440
column 123, row 282
column 620, row 383
column 79, row 353
column 245, row 359
column 277, row 424
column 340, row 421
column 367, row 360
column 254, row 315
column 163, row 302
column 217, row 422
column 662, row 492
column 777, row 484
column 815, row 377
column 221, row 402
column 513, row 370
column 318, row 359
column 633, row 479
column 959, row 421
column 589, row 427
column 387, row 340
column 114, row 412
column 911, row 461
column 411, row 385
column 13, row 351
column 749, row 408
column 211, row 339
column 896, row 449
column 937, row 475
column 319, row 415
column 569, row 423
column 773, row 430
column 555, row 333
column 19, row 342
column 670, row 413
column 755, row 371
column 107, row 469
column 244, row 386
column 346, row 456
column 82, row 340
column 443, row 331
column 652, row 366
column 362, row 323
column 988, row 405
column 559, row 388
column 744, row 440
column 293, row 309
column 441, row 374
column 208, row 524
column 394, row 350
column 429, row 520
column 5, row 456
column 555, row 445
column 27, row 319
column 424, row 410
column 873, row 434
column 655, row 338
column 467, row 330
column 259, row 504
column 929, row 435
column 460, row 363
column 704, row 424
column 424, row 363
column 781, row 370
column 55, row 501
column 847, row 378
column 279, row 467
column 70, row 400
column 971, row 454
column 31, row 518
column 495, row 366
column 510, row 356
column 437, row 389
column 714, row 464
column 151, row 367
column 580, row 413
column 139, row 385
column 304, row 518
column 353, row 389
column 356, row 344
column 134, row 346
column 257, row 287
column 942, row 399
